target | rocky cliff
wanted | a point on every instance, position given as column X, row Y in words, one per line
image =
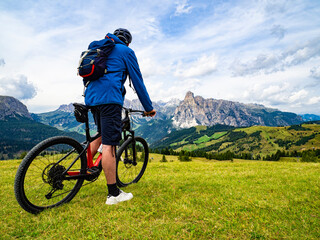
column 12, row 108
column 66, row 108
column 194, row 111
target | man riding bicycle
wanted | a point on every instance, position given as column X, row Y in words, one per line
column 106, row 96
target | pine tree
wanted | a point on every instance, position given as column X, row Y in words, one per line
column 163, row 159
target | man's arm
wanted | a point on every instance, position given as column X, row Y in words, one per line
column 137, row 80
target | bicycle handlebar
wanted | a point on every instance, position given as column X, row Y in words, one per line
column 129, row 110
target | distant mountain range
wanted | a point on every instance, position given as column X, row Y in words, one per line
column 176, row 114
column 171, row 116
column 193, row 111
column 19, row 132
column 310, row 117
column 62, row 119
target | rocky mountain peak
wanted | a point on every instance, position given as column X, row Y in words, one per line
column 12, row 108
column 194, row 111
column 189, row 98
column 66, row 108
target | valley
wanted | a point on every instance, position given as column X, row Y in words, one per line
column 193, row 124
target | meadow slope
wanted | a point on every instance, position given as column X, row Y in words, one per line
column 194, row 200
column 256, row 140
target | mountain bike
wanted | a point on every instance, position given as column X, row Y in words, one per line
column 54, row 170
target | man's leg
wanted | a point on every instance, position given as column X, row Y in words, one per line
column 110, row 122
column 94, row 146
column 109, row 167
column 109, row 163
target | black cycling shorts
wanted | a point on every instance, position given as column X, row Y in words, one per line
column 107, row 117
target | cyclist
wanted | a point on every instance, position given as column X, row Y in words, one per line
column 106, row 95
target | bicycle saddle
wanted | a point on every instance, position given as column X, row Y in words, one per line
column 81, row 112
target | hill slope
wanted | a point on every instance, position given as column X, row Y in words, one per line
column 63, row 119
column 256, row 140
column 19, row 132
column 12, row 108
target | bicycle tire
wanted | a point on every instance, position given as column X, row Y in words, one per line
column 127, row 171
column 38, row 174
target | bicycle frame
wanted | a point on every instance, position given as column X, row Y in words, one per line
column 90, row 163
column 89, row 157
column 126, row 127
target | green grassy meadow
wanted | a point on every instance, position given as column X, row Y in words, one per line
column 174, row 200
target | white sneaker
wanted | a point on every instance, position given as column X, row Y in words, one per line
column 123, row 196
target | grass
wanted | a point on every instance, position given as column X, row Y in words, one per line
column 205, row 138
column 195, row 200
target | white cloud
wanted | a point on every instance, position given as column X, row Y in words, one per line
column 2, row 62
column 273, row 90
column 315, row 72
column 298, row 96
column 271, row 45
column 204, row 65
column 177, row 89
column 182, row 8
column 150, row 67
column 278, row 31
column 285, row 95
column 314, row 100
column 18, row 87
column 279, row 61
column 275, row 7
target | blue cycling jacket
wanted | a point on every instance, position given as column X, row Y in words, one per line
column 109, row 88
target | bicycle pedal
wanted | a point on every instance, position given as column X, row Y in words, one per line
column 93, row 170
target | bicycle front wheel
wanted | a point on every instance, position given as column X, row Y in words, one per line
column 132, row 160
column 42, row 178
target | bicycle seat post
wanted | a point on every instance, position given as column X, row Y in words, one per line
column 88, row 137
column 81, row 114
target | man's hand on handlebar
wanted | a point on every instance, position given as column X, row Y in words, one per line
column 152, row 113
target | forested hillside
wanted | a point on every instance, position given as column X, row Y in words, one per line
column 257, row 141
column 21, row 134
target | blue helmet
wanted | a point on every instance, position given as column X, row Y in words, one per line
column 124, row 35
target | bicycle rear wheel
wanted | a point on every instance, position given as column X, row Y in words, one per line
column 40, row 182
column 130, row 166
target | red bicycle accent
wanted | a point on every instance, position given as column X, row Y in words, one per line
column 90, row 162
column 90, row 159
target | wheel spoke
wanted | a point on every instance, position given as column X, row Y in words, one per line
column 40, row 175
column 130, row 167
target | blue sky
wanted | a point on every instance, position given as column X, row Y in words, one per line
column 265, row 52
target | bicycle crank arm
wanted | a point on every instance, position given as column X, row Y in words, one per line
column 74, row 177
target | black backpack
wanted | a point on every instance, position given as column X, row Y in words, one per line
column 92, row 64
